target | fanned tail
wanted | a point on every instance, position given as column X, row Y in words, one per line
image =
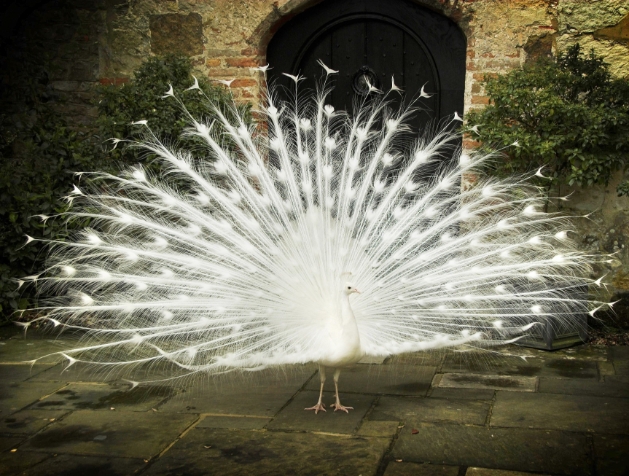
column 244, row 271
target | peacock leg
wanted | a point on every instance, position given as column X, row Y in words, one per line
column 337, row 405
column 320, row 405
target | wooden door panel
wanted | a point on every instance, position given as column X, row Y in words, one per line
column 376, row 39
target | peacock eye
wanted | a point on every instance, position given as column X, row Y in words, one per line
column 349, row 287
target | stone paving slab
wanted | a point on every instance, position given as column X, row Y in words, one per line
column 612, row 455
column 607, row 388
column 66, row 465
column 560, row 412
column 247, row 402
column 619, row 353
column 542, row 365
column 382, row 429
column 415, row 410
column 402, row 468
column 512, row 383
column 620, row 356
column 27, row 422
column 104, row 396
column 17, row 396
column 294, row 417
column 9, row 442
column 584, row 369
column 380, row 379
column 483, row 362
column 78, row 373
column 120, row 434
column 496, row 472
column 20, row 350
column 542, row 451
column 605, row 368
column 259, row 394
column 233, row 422
column 617, row 379
column 14, row 373
column 462, row 393
column 12, row 464
column 262, row 453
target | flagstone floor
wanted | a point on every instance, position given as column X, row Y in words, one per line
column 514, row 412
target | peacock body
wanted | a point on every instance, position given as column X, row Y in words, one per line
column 250, row 252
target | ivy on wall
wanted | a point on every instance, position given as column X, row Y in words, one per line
column 40, row 152
column 568, row 115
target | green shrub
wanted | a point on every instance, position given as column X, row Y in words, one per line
column 40, row 153
column 141, row 99
column 568, row 115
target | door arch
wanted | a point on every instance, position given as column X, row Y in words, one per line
column 379, row 40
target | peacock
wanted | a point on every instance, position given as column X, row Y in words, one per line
column 313, row 236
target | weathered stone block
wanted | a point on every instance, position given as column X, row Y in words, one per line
column 540, row 451
column 591, row 16
column 462, row 393
column 383, row 429
column 583, row 387
column 233, row 423
column 129, row 434
column 497, row 382
column 267, row 392
column 611, row 455
column 10, row 374
column 65, row 85
column 412, row 411
column 7, row 443
column 15, row 397
column 561, row 412
column 395, row 468
column 60, row 465
column 242, row 62
column 18, row 462
column 176, row 33
column 238, row 452
column 27, row 422
column 102, row 396
column 494, row 472
column 539, row 46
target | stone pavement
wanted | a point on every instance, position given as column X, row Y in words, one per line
column 514, row 412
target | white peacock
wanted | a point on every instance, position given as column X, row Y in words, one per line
column 261, row 267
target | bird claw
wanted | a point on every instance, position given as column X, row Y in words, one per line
column 338, row 406
column 318, row 407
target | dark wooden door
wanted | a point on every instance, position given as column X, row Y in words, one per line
column 378, row 40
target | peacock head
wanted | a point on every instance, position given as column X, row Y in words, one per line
column 350, row 289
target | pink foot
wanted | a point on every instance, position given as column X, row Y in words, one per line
column 338, row 406
column 318, row 407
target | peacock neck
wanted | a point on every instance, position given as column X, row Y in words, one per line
column 347, row 315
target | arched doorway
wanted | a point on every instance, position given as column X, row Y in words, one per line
column 378, row 40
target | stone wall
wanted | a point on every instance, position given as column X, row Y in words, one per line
column 106, row 40
column 90, row 41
